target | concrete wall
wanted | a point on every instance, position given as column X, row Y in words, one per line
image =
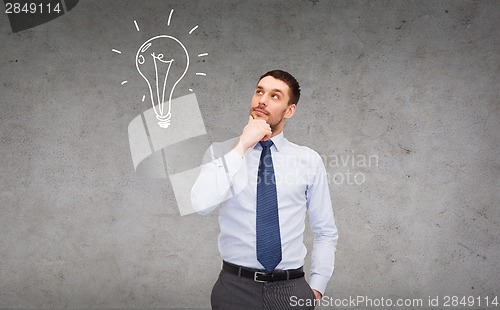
column 411, row 85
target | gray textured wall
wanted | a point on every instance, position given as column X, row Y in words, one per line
column 413, row 84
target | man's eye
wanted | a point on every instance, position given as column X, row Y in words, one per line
column 276, row 97
column 258, row 92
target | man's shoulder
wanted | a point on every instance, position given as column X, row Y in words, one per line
column 302, row 150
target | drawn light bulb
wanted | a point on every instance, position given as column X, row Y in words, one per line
column 162, row 61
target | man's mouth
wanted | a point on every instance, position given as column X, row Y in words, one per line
column 260, row 112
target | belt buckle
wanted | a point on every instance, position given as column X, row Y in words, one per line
column 255, row 276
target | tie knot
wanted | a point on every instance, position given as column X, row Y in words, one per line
column 266, row 144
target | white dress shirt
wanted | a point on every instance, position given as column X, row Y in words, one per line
column 229, row 181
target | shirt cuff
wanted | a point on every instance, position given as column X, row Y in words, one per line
column 318, row 282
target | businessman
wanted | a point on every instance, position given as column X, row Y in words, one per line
column 264, row 185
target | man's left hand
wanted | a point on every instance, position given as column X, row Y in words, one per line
column 317, row 294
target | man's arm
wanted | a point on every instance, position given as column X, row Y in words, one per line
column 322, row 223
column 216, row 182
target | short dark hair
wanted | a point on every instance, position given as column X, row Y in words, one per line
column 289, row 80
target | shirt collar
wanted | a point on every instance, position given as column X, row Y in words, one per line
column 278, row 141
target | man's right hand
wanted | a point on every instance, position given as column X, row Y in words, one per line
column 255, row 131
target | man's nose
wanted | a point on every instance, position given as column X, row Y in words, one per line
column 263, row 100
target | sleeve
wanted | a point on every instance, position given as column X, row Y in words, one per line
column 216, row 180
column 322, row 224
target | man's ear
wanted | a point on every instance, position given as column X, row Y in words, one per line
column 290, row 110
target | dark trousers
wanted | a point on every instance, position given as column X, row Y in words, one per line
column 231, row 292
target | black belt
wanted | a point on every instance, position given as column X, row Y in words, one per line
column 262, row 275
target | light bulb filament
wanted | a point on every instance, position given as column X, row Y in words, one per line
column 161, row 102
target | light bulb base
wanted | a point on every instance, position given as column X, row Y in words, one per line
column 164, row 121
column 164, row 124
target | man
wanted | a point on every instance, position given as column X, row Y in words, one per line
column 264, row 185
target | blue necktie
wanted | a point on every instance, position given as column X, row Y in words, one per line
column 267, row 221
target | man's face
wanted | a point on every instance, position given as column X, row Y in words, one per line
column 270, row 102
